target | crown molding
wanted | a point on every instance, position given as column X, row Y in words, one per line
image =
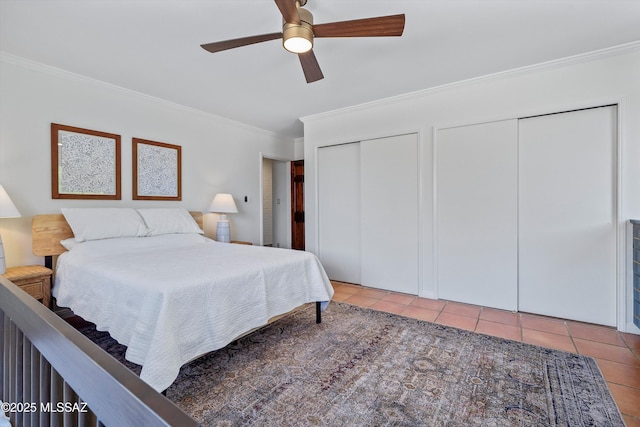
column 59, row 72
column 548, row 65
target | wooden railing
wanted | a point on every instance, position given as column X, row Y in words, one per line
column 52, row 375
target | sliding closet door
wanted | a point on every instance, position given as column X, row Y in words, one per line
column 567, row 214
column 476, row 202
column 389, row 213
column 339, row 211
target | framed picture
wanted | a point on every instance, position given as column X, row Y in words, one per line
column 157, row 170
column 85, row 164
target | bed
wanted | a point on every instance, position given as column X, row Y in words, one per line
column 163, row 289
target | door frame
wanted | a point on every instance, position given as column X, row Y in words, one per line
column 287, row 204
column 295, row 193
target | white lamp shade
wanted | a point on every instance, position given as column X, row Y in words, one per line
column 7, row 208
column 223, row 203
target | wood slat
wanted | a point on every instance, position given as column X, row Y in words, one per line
column 70, row 365
column 383, row 26
column 239, row 42
column 289, row 11
column 310, row 66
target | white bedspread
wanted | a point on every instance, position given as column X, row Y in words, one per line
column 172, row 298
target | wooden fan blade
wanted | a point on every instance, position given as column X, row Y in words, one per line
column 310, row 66
column 289, row 11
column 382, row 26
column 243, row 41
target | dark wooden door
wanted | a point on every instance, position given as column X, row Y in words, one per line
column 297, row 204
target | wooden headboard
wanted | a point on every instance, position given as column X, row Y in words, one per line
column 48, row 230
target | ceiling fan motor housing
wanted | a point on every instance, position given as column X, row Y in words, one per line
column 299, row 38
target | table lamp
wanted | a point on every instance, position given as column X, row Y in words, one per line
column 223, row 204
column 7, row 210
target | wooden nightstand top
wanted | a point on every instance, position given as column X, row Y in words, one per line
column 26, row 272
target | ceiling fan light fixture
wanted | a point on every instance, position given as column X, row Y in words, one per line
column 297, row 44
column 298, row 38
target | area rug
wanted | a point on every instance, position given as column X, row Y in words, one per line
column 361, row 367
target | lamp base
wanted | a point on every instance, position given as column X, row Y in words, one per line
column 223, row 231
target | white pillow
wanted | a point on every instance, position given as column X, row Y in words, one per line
column 104, row 223
column 169, row 221
column 69, row 243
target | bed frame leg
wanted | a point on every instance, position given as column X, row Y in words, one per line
column 318, row 312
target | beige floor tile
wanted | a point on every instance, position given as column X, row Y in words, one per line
column 500, row 316
column 607, row 352
column 462, row 309
column 399, row 298
column 597, row 333
column 388, row 306
column 361, row 301
column 620, row 373
column 501, row 330
column 545, row 324
column 548, row 339
column 420, row 313
column 457, row 321
column 430, row 304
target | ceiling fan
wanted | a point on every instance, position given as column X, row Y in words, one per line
column 298, row 32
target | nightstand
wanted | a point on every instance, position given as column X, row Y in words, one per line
column 240, row 242
column 34, row 280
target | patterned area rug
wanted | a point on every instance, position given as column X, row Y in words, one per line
column 363, row 367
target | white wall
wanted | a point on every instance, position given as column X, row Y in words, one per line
column 218, row 155
column 600, row 78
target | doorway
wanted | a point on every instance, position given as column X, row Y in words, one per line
column 275, row 201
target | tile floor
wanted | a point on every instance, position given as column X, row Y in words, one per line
column 617, row 354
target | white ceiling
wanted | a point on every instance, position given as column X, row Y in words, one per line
column 153, row 47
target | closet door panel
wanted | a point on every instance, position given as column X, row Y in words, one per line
column 389, row 213
column 567, row 215
column 339, row 211
column 476, row 202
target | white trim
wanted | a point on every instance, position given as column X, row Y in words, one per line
column 316, row 195
column 555, row 63
column 421, row 225
column 260, row 200
column 288, row 202
column 434, row 213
